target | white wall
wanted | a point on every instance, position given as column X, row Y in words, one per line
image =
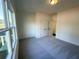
column 25, row 24
column 19, row 24
column 68, row 26
column 32, row 24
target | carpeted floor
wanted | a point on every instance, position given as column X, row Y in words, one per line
column 47, row 48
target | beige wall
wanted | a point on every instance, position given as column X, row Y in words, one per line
column 52, row 24
column 68, row 26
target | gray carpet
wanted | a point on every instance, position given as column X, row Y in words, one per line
column 47, row 48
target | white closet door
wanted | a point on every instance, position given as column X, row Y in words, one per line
column 42, row 25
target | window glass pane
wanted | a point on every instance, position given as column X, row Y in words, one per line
column 2, row 23
column 1, row 10
column 3, row 45
column 5, row 34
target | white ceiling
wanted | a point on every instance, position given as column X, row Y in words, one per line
column 44, row 6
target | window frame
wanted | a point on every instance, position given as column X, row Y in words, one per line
column 8, row 27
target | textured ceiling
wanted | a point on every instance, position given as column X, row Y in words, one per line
column 44, row 6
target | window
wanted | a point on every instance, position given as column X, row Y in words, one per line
column 3, row 34
column 8, row 32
